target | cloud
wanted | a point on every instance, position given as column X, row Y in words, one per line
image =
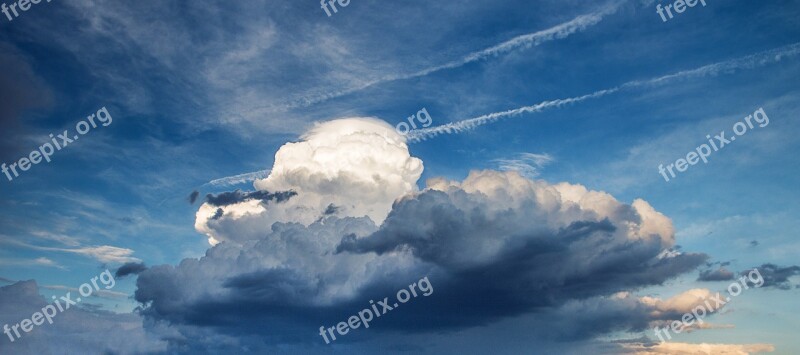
column 360, row 165
column 776, row 276
column 102, row 253
column 559, row 31
column 20, row 90
column 468, row 124
column 97, row 293
column 706, row 325
column 688, row 349
column 217, row 215
column 681, row 303
column 81, row 329
column 531, row 246
column 193, row 196
column 729, row 66
column 235, row 197
column 289, row 260
column 720, row 274
column 239, row 179
column 331, row 209
column 277, row 263
column 130, row 269
column 347, row 160
column 526, row 164
column 277, row 278
column 42, row 261
column 621, row 312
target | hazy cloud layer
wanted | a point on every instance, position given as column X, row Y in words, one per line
column 81, row 329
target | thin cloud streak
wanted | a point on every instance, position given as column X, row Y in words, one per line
column 457, row 127
column 98, row 293
column 102, row 253
column 560, row 31
column 33, row 262
column 527, row 164
column 747, row 62
column 238, row 179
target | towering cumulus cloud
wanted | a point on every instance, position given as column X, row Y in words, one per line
column 357, row 228
column 360, row 165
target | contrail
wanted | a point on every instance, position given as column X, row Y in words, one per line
column 560, row 31
column 456, row 127
column 747, row 62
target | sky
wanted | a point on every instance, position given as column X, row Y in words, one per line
column 236, row 177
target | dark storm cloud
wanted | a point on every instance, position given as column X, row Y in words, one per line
column 281, row 287
column 230, row 198
column 130, row 269
column 270, row 304
column 586, row 319
column 720, row 274
column 494, row 264
column 776, row 276
column 538, row 268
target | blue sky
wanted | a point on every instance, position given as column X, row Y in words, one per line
column 200, row 91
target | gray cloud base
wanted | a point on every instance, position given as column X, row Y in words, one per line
column 536, row 256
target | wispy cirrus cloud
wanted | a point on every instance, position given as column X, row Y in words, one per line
column 563, row 30
column 97, row 293
column 101, row 253
column 42, row 261
column 56, row 237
